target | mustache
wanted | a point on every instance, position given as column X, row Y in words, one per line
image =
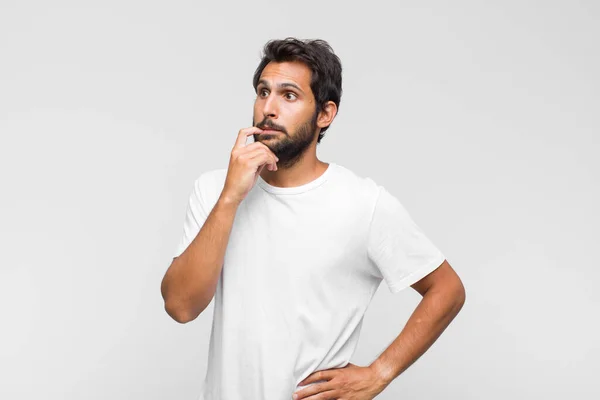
column 270, row 125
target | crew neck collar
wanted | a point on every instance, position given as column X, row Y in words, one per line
column 297, row 189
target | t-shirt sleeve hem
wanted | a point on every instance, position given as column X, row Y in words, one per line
column 417, row 275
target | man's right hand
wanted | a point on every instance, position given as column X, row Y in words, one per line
column 245, row 164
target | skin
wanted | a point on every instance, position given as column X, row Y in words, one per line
column 292, row 111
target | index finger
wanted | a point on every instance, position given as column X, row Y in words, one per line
column 243, row 134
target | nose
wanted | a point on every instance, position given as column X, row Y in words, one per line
column 269, row 107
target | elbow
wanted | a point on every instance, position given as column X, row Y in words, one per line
column 180, row 314
column 182, row 309
column 173, row 306
column 460, row 295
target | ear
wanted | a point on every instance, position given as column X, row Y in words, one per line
column 326, row 115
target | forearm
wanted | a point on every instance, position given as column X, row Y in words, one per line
column 190, row 282
column 430, row 318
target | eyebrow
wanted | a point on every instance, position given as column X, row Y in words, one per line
column 282, row 85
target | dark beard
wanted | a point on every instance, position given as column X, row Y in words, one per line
column 288, row 148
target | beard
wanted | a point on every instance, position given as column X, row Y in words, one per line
column 288, row 148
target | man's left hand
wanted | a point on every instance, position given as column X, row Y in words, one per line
column 348, row 383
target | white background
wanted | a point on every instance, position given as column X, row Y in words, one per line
column 481, row 117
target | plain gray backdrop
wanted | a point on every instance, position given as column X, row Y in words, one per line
column 481, row 117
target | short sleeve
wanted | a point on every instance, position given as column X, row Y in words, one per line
column 196, row 213
column 400, row 250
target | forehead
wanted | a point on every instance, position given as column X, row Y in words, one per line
column 287, row 71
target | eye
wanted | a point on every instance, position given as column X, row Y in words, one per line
column 261, row 91
column 291, row 93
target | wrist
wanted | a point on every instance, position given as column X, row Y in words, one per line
column 228, row 201
column 384, row 374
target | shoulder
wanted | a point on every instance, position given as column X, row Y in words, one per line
column 361, row 187
column 371, row 193
column 211, row 177
column 209, row 184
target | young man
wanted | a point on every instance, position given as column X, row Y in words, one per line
column 293, row 250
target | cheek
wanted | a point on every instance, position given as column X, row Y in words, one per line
column 296, row 114
column 256, row 113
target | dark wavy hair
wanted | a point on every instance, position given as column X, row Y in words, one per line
column 317, row 54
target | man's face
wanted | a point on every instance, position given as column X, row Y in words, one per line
column 285, row 103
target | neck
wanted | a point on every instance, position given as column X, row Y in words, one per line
column 305, row 170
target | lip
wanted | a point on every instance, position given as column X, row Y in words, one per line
column 271, row 131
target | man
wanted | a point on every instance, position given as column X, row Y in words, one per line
column 293, row 250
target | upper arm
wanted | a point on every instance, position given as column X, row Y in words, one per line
column 442, row 277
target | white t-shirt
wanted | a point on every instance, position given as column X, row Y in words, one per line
column 300, row 269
